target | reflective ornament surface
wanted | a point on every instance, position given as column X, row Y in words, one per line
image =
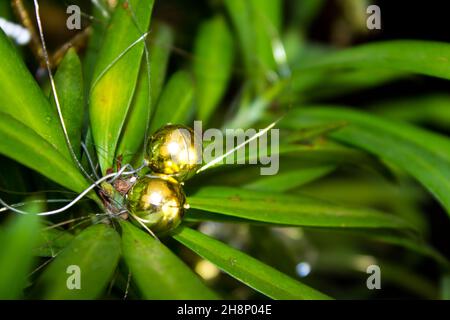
column 159, row 202
column 172, row 151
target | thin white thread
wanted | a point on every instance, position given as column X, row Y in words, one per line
column 55, row 94
column 147, row 61
column 109, row 66
column 220, row 158
column 89, row 158
column 74, row 201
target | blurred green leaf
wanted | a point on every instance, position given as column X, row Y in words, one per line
column 318, row 85
column 266, row 19
column 175, row 102
column 252, row 112
column 284, row 181
column 320, row 152
column 380, row 237
column 22, row 99
column 284, row 209
column 214, row 51
column 240, row 17
column 69, row 85
column 5, row 10
column 25, row 146
column 157, row 272
column 138, row 119
column 18, row 238
column 332, row 263
column 51, row 242
column 133, row 132
column 422, row 57
column 258, row 24
column 95, row 251
column 161, row 42
column 352, row 69
column 415, row 246
column 424, row 155
column 445, row 287
column 305, row 11
column 431, row 109
column 246, row 269
column 102, row 17
column 399, row 197
column 116, row 74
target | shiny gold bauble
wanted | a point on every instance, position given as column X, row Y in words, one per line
column 158, row 202
column 172, row 151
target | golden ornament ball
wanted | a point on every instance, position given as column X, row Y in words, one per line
column 172, row 150
column 158, row 202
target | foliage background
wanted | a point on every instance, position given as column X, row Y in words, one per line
column 347, row 173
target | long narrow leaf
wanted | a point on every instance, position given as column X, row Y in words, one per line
column 257, row 23
column 175, row 102
column 22, row 99
column 70, row 88
column 250, row 271
column 27, row 147
column 422, row 57
column 424, row 155
column 116, row 75
column 92, row 256
column 289, row 210
column 18, row 238
column 284, row 181
column 157, row 272
column 143, row 104
column 214, row 52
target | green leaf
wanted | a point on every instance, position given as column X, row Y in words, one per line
column 114, row 81
column 95, row 251
column 258, row 24
column 424, row 155
column 102, row 16
column 319, row 85
column 22, row 99
column 354, row 68
column 445, row 287
column 318, row 153
column 380, row 237
column 253, row 111
column 415, row 246
column 18, row 238
column 266, row 18
column 246, row 269
column 284, row 209
column 431, row 109
column 157, row 272
column 305, row 11
column 69, row 85
column 22, row 144
column 161, row 42
column 213, row 64
column 291, row 179
column 175, row 102
column 134, row 130
column 51, row 242
column 422, row 57
column 6, row 10
column 332, row 263
column 240, row 17
column 402, row 197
